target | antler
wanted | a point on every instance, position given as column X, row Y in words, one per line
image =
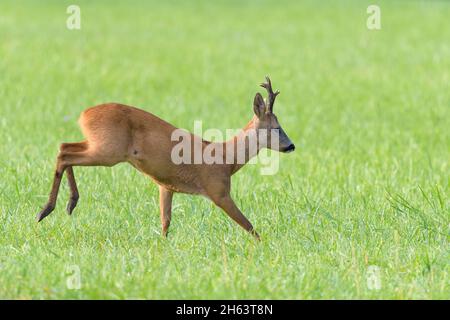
column 272, row 95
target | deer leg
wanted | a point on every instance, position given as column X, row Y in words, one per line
column 165, row 206
column 74, row 195
column 227, row 204
column 73, row 154
column 50, row 206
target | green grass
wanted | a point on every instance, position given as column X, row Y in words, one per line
column 368, row 185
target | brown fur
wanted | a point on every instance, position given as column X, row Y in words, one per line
column 118, row 133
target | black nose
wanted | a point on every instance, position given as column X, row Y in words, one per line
column 290, row 148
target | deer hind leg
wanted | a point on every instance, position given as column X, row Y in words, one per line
column 74, row 195
column 73, row 154
column 61, row 166
column 165, row 206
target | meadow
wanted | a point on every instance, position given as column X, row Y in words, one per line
column 359, row 211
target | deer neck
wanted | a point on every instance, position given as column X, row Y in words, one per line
column 242, row 147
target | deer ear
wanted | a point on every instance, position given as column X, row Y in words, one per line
column 259, row 106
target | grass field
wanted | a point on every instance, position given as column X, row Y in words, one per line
column 364, row 195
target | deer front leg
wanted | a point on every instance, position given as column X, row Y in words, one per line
column 227, row 204
column 165, row 207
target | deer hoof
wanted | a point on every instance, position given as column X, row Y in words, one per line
column 256, row 235
column 71, row 205
column 45, row 212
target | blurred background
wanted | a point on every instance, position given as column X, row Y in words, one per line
column 367, row 185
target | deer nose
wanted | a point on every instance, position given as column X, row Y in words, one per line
column 290, row 148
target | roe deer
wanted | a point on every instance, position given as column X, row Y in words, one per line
column 117, row 133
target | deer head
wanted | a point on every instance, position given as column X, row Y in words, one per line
column 267, row 121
